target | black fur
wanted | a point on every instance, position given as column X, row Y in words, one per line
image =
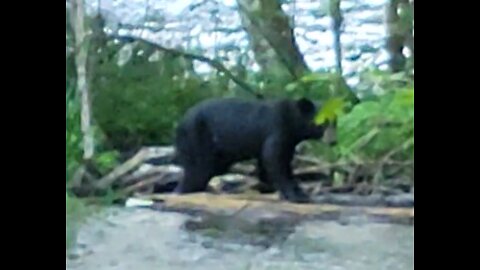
column 217, row 133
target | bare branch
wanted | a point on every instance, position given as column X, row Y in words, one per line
column 142, row 155
column 147, row 181
column 213, row 63
column 142, row 28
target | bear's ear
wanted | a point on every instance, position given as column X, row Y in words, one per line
column 306, row 106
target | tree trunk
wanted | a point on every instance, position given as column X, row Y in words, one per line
column 395, row 37
column 272, row 38
column 81, row 53
column 337, row 20
column 408, row 17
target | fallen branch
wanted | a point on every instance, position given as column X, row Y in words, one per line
column 231, row 204
column 155, row 171
column 81, row 177
column 78, row 176
column 323, row 165
column 311, row 169
column 125, row 174
column 312, row 174
column 379, row 172
column 148, row 181
column 123, row 169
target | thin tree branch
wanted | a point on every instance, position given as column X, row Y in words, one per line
column 145, row 19
column 213, row 63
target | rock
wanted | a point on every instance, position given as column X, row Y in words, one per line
column 232, row 183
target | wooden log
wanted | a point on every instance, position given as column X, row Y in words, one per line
column 232, row 203
column 120, row 171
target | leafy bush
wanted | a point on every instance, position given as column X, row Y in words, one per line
column 139, row 103
column 106, row 161
column 374, row 83
column 375, row 128
column 321, row 87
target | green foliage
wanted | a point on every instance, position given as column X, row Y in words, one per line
column 374, row 83
column 106, row 161
column 140, row 102
column 314, row 85
column 329, row 88
column 375, row 128
column 321, row 86
column 378, row 126
column 272, row 82
column 103, row 160
column 330, row 111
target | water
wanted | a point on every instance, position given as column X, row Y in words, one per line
column 145, row 239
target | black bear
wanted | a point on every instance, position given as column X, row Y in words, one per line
column 216, row 133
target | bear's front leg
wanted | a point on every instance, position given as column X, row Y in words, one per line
column 276, row 160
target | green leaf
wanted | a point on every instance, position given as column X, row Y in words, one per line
column 331, row 110
column 291, row 87
column 399, row 76
column 404, row 97
column 314, row 77
column 106, row 161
